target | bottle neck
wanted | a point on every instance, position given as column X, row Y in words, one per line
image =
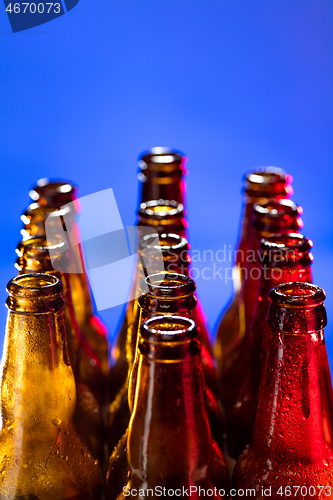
column 260, row 331
column 294, row 417
column 36, row 372
column 169, row 436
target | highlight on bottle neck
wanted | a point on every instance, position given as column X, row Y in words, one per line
column 162, row 214
column 277, row 216
column 286, row 251
column 53, row 192
column 35, row 216
column 167, row 293
column 268, row 182
column 297, row 308
column 39, row 255
column 169, row 337
column 34, row 294
column 173, row 249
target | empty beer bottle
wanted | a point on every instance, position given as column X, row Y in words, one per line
column 270, row 218
column 161, row 175
column 42, row 456
column 260, row 186
column 291, row 452
column 50, row 195
column 34, row 256
column 169, row 439
column 284, row 258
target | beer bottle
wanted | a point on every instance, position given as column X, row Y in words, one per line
column 50, row 195
column 284, row 258
column 42, row 456
column 291, row 452
column 270, row 218
column 161, row 175
column 34, row 257
column 169, row 438
column 175, row 291
column 260, row 186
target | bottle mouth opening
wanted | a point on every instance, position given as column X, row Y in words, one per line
column 167, row 242
column 297, row 295
column 47, row 189
column 167, row 285
column 267, row 182
column 160, row 155
column 161, row 209
column 169, row 328
column 34, row 284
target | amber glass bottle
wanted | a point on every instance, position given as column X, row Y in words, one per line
column 50, row 196
column 291, row 450
column 161, row 175
column 169, row 417
column 34, row 256
column 260, row 186
column 42, row 456
column 161, row 293
column 285, row 258
column 271, row 218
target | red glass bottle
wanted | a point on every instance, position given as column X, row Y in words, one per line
column 291, row 452
column 169, row 440
column 260, row 186
column 271, row 218
column 284, row 258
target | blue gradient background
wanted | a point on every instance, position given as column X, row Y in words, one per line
column 234, row 84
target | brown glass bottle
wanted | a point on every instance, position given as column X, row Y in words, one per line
column 274, row 217
column 42, row 456
column 284, row 258
column 291, row 452
column 161, row 175
column 260, row 186
column 169, row 417
column 174, row 294
column 51, row 195
column 34, row 257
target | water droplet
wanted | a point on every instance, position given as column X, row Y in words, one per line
column 56, row 421
column 326, row 462
column 93, row 362
column 96, row 462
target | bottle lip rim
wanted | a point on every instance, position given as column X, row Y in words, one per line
column 161, row 155
column 42, row 285
column 49, row 188
column 284, row 242
column 277, row 208
column 182, row 242
column 157, row 335
column 283, row 295
column 183, row 284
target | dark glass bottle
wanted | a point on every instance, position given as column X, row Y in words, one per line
column 291, row 451
column 42, row 455
column 50, row 195
column 161, row 175
column 284, row 258
column 34, row 257
column 260, row 186
column 169, row 439
column 274, row 217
